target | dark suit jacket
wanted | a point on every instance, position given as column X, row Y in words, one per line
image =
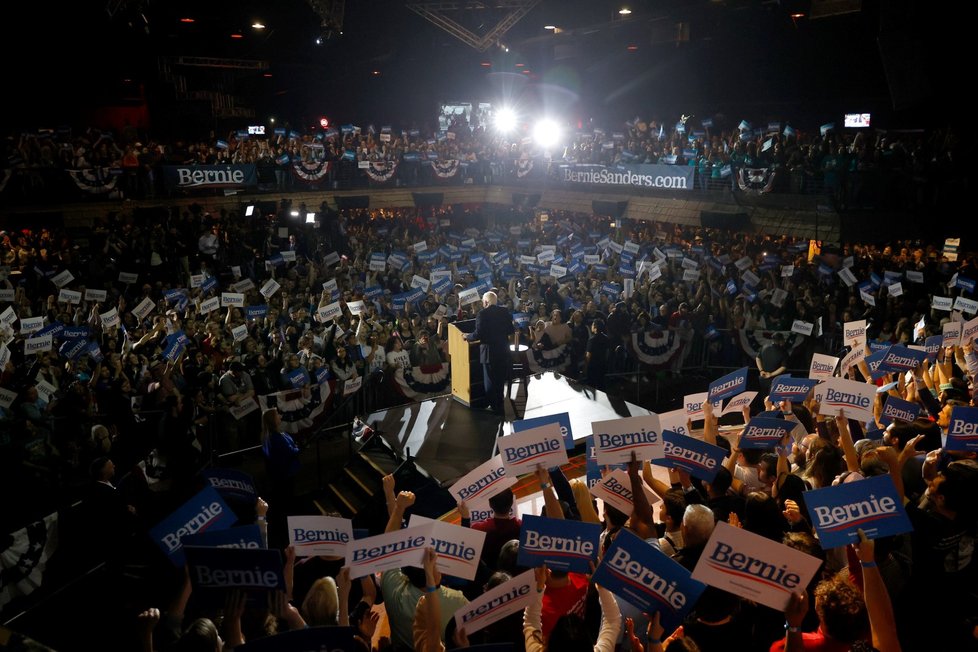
column 493, row 329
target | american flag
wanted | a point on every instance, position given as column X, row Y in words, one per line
column 23, row 561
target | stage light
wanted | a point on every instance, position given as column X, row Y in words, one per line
column 505, row 120
column 258, row 25
column 250, row 210
column 546, row 133
column 294, row 213
column 624, row 11
column 310, row 218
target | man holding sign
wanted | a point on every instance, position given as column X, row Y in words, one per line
column 493, row 328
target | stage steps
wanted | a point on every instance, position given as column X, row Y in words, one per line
column 357, row 490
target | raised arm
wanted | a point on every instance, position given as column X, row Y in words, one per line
column 710, row 428
column 640, row 521
column 848, row 448
column 882, row 623
column 551, row 505
column 404, row 500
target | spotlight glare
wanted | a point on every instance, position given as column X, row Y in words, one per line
column 505, row 120
column 294, row 213
column 546, row 133
column 310, row 218
column 250, row 210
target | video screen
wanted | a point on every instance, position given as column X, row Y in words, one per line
column 857, row 120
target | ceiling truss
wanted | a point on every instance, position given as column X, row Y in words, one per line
column 436, row 13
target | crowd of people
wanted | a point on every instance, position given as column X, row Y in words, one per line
column 131, row 319
column 657, row 291
column 854, row 167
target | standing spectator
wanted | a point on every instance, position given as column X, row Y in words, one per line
column 282, row 463
column 503, row 526
column 596, row 356
column 236, row 387
column 209, row 243
column 679, row 323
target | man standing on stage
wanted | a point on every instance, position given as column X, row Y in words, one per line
column 493, row 328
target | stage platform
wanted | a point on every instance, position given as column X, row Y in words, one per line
column 446, row 439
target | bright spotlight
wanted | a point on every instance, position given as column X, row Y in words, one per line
column 505, row 121
column 294, row 213
column 546, row 133
column 310, row 218
column 250, row 210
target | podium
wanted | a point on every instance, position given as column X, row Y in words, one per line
column 468, row 387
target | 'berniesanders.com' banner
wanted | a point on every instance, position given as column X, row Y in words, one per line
column 194, row 177
column 670, row 177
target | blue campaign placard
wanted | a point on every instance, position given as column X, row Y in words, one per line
column 899, row 358
column 562, row 420
column 962, row 431
column 560, row 544
column 730, row 385
column 700, row 459
column 897, row 408
column 786, row 388
column 254, row 312
column 232, row 484
column 74, row 332
column 871, row 505
column 255, row 569
column 875, row 364
column 764, row 432
column 310, row 639
column 297, row 378
column 205, row 511
column 648, row 579
column 246, row 536
column 933, row 345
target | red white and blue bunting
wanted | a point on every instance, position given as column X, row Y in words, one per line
column 418, row 383
column 23, row 561
column 300, row 408
column 310, row 171
column 381, row 171
column 755, row 181
column 96, row 181
column 555, row 359
column 656, row 348
column 445, row 169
